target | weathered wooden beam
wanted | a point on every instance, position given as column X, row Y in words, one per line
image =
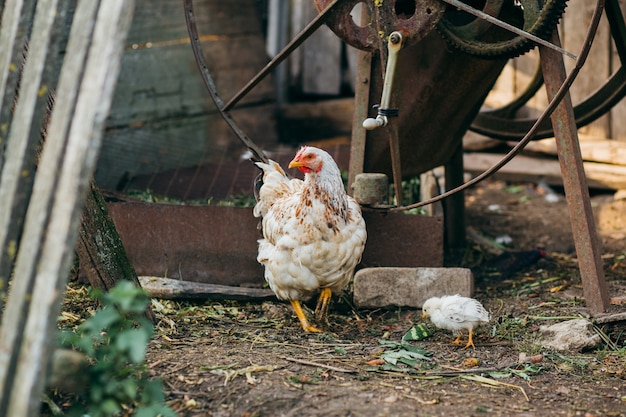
column 100, row 250
column 592, row 149
column 525, row 168
column 18, row 172
column 172, row 289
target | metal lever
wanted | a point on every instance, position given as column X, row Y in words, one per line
column 394, row 45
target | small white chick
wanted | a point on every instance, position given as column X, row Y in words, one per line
column 455, row 313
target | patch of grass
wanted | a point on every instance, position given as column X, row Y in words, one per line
column 148, row 196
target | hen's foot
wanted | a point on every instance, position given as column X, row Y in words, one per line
column 303, row 320
column 321, row 308
column 457, row 341
column 470, row 342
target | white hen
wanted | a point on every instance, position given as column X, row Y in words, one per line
column 455, row 313
column 314, row 234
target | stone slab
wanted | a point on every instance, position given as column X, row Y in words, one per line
column 409, row 287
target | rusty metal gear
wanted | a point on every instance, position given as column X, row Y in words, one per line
column 478, row 37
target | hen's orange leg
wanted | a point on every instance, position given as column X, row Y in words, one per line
column 470, row 342
column 303, row 320
column 321, row 308
column 457, row 341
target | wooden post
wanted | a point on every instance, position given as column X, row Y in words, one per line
column 100, row 250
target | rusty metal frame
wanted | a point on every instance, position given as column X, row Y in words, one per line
column 559, row 109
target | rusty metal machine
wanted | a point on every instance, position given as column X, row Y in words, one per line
column 425, row 69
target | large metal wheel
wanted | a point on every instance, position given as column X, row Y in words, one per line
column 503, row 123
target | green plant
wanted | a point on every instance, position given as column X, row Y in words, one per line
column 115, row 340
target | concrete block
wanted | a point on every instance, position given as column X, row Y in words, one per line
column 409, row 287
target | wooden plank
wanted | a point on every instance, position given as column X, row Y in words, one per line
column 162, row 116
column 319, row 66
column 172, row 289
column 14, row 320
column 18, row 172
column 99, row 247
column 12, row 18
column 530, row 169
column 83, row 100
column 157, row 145
column 593, row 149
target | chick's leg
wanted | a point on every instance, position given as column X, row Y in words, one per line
column 470, row 342
column 321, row 308
column 303, row 320
column 457, row 341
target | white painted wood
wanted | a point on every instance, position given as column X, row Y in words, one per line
column 8, row 33
column 20, row 153
column 68, row 160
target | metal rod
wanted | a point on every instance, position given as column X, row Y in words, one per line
column 478, row 13
column 575, row 184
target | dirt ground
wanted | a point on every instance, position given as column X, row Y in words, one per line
column 232, row 359
column 252, row 359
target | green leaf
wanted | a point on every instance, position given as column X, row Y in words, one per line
column 500, row 375
column 152, row 391
column 134, row 342
column 129, row 388
column 340, row 350
column 102, row 320
column 128, row 297
column 393, row 357
column 109, row 407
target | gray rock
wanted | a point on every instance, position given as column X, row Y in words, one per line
column 409, row 287
column 570, row 335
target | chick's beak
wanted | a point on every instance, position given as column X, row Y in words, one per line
column 424, row 315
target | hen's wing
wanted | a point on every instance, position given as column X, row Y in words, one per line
column 464, row 310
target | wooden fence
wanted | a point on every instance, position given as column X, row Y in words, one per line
column 38, row 229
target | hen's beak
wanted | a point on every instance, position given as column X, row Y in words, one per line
column 295, row 164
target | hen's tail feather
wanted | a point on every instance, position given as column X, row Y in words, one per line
column 272, row 185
